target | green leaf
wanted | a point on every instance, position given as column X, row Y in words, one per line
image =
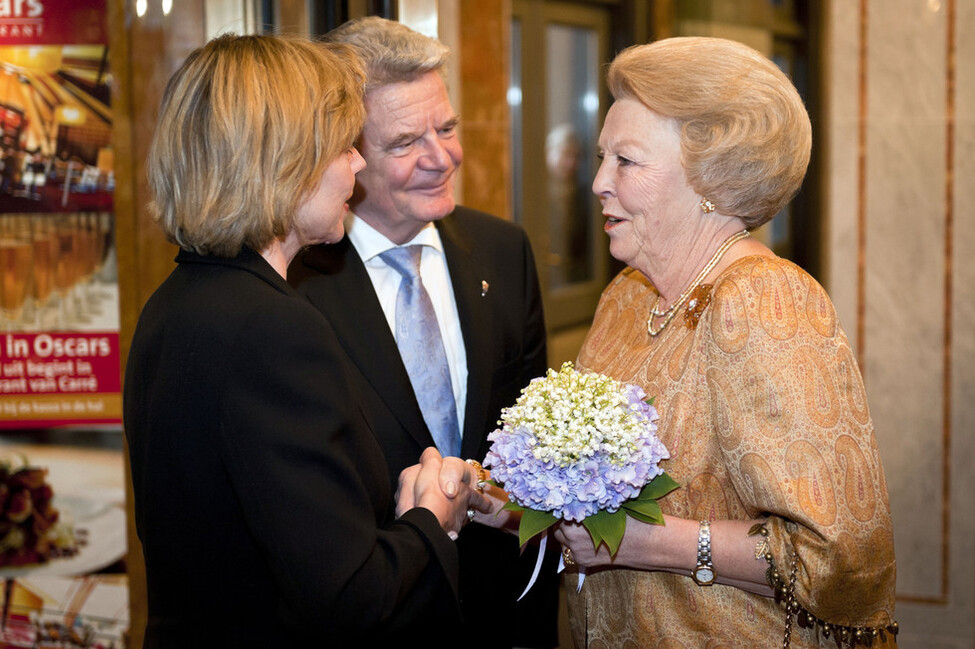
column 594, row 533
column 602, row 526
column 606, row 528
column 534, row 522
column 659, row 487
column 647, row 511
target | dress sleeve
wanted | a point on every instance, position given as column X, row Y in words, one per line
column 791, row 414
column 313, row 488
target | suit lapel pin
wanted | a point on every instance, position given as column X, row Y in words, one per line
column 484, row 287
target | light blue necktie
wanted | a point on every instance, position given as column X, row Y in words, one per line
column 422, row 349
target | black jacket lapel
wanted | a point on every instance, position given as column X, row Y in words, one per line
column 350, row 303
column 467, row 275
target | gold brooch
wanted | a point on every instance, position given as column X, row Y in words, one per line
column 699, row 300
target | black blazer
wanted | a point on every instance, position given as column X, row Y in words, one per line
column 495, row 284
column 262, row 497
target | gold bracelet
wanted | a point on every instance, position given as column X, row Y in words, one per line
column 785, row 595
column 481, row 475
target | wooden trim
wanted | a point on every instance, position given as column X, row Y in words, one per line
column 862, row 187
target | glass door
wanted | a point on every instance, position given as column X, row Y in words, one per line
column 557, row 101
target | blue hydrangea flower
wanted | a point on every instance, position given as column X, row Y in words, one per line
column 574, row 444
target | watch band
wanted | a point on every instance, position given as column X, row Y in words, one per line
column 704, row 570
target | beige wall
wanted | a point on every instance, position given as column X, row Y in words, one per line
column 898, row 139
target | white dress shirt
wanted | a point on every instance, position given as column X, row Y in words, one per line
column 369, row 243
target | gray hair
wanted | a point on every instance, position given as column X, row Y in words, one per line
column 390, row 51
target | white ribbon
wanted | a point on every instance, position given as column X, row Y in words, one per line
column 538, row 568
column 538, row 565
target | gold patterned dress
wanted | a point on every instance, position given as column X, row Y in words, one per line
column 763, row 410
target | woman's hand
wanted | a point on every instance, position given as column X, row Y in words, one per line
column 453, row 472
column 489, row 509
column 635, row 551
column 493, row 515
column 672, row 547
column 444, row 486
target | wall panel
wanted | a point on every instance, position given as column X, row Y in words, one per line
column 899, row 139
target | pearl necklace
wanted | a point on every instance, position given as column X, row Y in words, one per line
column 670, row 312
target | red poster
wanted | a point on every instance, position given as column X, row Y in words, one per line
column 57, row 254
column 63, row 578
column 58, row 22
column 48, row 378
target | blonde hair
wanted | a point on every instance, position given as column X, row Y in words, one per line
column 246, row 129
column 391, row 51
column 745, row 133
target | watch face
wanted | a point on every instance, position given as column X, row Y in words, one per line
column 704, row 575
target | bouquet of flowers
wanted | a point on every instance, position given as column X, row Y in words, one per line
column 580, row 447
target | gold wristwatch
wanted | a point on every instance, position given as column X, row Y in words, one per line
column 704, row 571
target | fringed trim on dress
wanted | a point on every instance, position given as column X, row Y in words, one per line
column 785, row 594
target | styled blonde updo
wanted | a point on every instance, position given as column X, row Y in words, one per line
column 745, row 133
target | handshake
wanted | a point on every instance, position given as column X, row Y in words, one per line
column 457, row 492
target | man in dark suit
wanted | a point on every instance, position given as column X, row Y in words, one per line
column 480, row 276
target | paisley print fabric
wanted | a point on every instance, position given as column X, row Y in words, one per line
column 763, row 409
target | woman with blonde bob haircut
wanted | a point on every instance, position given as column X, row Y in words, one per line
column 234, row 172
column 782, row 493
column 262, row 497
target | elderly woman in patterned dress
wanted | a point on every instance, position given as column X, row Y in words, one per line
column 781, row 531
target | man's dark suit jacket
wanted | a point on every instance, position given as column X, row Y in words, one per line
column 495, row 285
column 261, row 494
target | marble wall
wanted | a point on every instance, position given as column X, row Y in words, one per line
column 898, row 152
column 482, row 53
